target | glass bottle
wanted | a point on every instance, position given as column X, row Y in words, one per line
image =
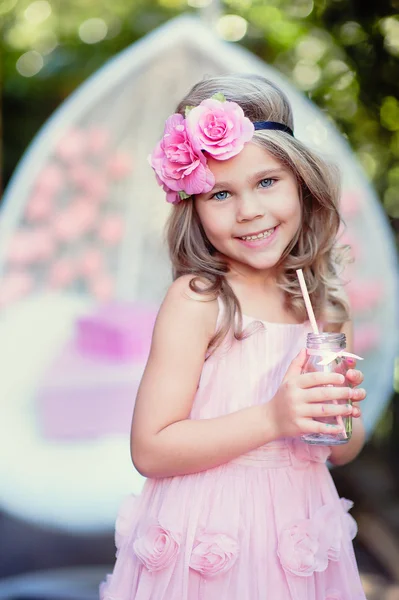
column 326, row 346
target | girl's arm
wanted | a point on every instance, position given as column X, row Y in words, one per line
column 340, row 455
column 164, row 441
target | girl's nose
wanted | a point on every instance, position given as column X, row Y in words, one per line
column 249, row 208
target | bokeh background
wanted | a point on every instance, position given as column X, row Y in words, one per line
column 343, row 56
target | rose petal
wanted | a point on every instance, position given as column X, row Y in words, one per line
column 306, row 546
column 220, row 127
column 172, row 197
column 213, row 554
column 350, row 523
column 157, row 549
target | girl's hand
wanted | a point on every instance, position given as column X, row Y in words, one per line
column 300, row 398
column 355, row 378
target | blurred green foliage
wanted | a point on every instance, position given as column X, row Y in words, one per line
column 343, row 54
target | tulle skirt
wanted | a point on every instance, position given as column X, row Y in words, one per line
column 266, row 526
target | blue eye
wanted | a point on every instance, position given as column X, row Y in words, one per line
column 269, row 183
column 220, row 195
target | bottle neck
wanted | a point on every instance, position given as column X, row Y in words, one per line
column 326, row 341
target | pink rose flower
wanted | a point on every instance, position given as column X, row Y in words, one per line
column 157, row 549
column 298, row 548
column 102, row 286
column 39, row 207
column 221, row 128
column 213, row 554
column 178, row 161
column 15, row 285
column 62, row 272
column 349, row 521
column 306, row 546
column 119, row 165
column 98, row 139
column 111, row 229
column 73, row 145
column 50, row 180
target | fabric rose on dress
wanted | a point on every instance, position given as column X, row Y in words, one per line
column 303, row 454
column 306, row 546
column 213, row 554
column 350, row 522
column 298, row 548
column 221, row 127
column 178, row 162
column 157, row 549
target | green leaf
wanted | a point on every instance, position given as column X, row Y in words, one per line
column 219, row 96
column 183, row 195
column 187, row 110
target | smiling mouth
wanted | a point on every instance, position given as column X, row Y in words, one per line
column 258, row 236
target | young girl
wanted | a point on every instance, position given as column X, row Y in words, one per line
column 236, row 506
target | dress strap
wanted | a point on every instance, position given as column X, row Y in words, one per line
column 220, row 312
column 218, row 321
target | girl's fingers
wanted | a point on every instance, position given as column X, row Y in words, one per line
column 351, row 362
column 318, row 411
column 359, row 394
column 328, row 394
column 355, row 377
column 334, row 394
column 356, row 413
column 311, row 426
column 310, row 380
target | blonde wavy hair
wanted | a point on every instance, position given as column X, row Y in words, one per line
column 313, row 248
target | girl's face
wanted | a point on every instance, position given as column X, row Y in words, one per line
column 253, row 212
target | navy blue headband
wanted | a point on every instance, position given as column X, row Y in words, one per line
column 272, row 125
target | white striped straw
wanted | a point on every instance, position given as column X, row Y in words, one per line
column 306, row 298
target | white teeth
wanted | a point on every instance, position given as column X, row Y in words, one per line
column 265, row 234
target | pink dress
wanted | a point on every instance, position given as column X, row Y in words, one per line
column 268, row 525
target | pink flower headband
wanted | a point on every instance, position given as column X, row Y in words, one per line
column 216, row 127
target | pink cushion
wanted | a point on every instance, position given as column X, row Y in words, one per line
column 90, row 388
column 117, row 331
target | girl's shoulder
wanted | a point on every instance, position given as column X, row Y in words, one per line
column 194, row 309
